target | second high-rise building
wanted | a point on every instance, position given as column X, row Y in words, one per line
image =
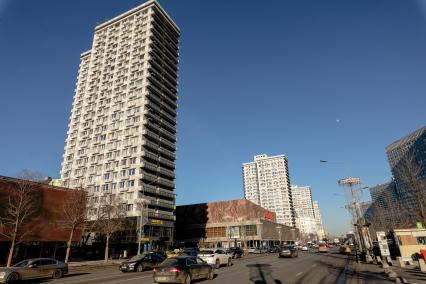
column 121, row 138
column 267, row 183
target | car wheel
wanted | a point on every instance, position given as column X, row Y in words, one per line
column 210, row 275
column 57, row 274
column 187, row 279
column 13, row 277
column 217, row 263
column 139, row 268
column 229, row 262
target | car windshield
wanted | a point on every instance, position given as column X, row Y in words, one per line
column 206, row 252
column 137, row 257
column 23, row 263
column 286, row 247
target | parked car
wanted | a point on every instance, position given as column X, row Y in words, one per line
column 141, row 262
column 273, row 249
column 191, row 251
column 182, row 269
column 288, row 251
column 251, row 250
column 304, row 248
column 216, row 257
column 32, row 269
column 322, row 247
column 259, row 250
column 235, row 252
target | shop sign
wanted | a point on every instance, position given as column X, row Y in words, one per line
column 269, row 216
column 144, row 239
column 156, row 221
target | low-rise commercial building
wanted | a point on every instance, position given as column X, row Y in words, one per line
column 44, row 233
column 230, row 223
column 410, row 241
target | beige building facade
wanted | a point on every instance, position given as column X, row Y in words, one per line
column 121, row 138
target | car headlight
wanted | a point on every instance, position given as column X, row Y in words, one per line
column 132, row 264
column 2, row 274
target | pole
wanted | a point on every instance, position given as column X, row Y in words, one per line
column 140, row 230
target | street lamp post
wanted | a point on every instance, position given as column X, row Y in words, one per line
column 279, row 233
column 143, row 202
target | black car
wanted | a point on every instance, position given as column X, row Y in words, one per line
column 182, row 269
column 141, row 262
column 236, row 252
column 191, row 251
column 288, row 251
column 273, row 249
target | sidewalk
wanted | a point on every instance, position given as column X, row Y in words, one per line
column 360, row 273
column 410, row 272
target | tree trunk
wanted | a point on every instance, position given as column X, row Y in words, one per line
column 106, row 249
column 67, row 255
column 12, row 247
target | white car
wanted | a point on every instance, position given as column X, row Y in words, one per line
column 216, row 257
column 251, row 250
column 304, row 248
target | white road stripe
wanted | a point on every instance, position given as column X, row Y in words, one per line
column 127, row 279
column 100, row 279
column 300, row 273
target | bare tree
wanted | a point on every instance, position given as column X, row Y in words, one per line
column 74, row 214
column 21, row 208
column 111, row 219
column 410, row 173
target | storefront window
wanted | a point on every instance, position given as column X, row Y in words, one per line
column 216, row 232
column 250, row 230
column 421, row 240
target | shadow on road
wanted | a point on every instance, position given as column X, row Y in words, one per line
column 261, row 273
column 47, row 280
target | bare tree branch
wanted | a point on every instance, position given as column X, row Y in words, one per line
column 21, row 209
column 111, row 217
column 74, row 214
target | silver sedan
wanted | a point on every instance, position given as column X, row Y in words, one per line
column 33, row 269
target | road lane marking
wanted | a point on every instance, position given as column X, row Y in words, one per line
column 342, row 277
column 123, row 280
column 300, row 273
column 104, row 278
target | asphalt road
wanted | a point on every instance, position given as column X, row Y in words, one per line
column 309, row 268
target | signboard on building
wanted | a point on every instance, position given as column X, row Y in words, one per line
column 270, row 216
column 383, row 244
column 156, row 221
column 234, row 232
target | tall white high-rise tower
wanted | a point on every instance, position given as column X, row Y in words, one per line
column 267, row 183
column 121, row 138
column 304, row 209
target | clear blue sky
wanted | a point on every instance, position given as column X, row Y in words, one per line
column 336, row 80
